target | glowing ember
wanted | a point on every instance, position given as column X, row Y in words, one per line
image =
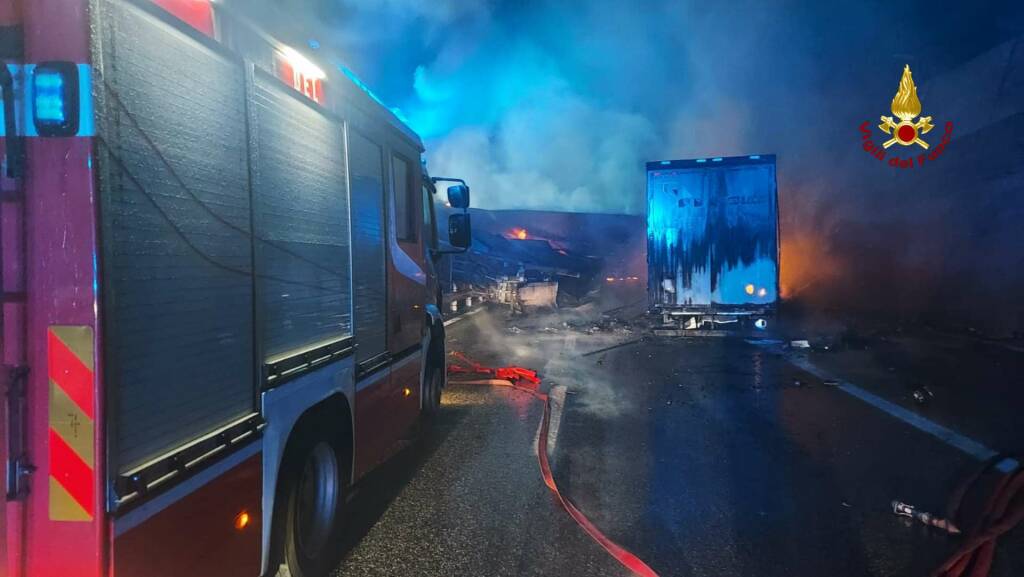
column 519, row 233
column 749, row 288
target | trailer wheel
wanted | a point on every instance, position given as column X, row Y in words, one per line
column 311, row 525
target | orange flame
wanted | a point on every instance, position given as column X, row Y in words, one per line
column 519, row 233
column 807, row 264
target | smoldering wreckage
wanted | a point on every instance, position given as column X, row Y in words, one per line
column 711, row 270
column 539, row 261
column 710, row 237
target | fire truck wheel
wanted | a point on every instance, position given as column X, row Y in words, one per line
column 312, row 520
column 432, row 392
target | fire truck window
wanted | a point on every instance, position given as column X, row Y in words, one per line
column 405, row 203
column 429, row 226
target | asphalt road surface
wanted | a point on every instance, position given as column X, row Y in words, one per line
column 704, row 457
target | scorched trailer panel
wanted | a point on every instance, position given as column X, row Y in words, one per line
column 712, row 235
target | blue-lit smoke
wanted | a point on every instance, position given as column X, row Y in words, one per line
column 503, row 112
column 557, row 105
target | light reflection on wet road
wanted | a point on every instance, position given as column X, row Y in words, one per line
column 701, row 456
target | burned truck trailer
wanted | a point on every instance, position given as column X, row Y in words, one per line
column 713, row 242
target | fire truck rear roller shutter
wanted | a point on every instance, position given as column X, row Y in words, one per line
column 300, row 214
column 177, row 245
column 368, row 235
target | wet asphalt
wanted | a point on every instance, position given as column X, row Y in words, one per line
column 702, row 456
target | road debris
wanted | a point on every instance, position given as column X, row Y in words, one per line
column 603, row 325
column 922, row 395
column 903, row 510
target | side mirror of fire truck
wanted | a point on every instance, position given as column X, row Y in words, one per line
column 459, row 231
column 460, row 235
column 458, row 196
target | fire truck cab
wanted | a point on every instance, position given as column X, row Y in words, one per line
column 220, row 309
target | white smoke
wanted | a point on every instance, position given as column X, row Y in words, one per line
column 558, row 152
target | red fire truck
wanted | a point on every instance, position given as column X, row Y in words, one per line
column 219, row 301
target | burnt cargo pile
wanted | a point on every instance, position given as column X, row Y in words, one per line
column 712, row 242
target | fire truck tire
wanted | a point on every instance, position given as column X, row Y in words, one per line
column 309, row 530
column 432, row 392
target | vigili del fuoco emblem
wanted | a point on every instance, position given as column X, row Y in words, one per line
column 904, row 130
column 906, row 106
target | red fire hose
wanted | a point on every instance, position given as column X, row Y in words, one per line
column 527, row 381
column 1003, row 510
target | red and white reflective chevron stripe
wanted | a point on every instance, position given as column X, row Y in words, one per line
column 72, row 423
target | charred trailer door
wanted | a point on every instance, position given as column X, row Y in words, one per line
column 712, row 240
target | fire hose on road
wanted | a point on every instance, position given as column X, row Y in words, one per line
column 1003, row 510
column 527, row 381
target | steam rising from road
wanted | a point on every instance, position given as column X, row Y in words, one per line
column 556, row 352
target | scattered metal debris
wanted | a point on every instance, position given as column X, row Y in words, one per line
column 615, row 346
column 604, row 325
column 800, row 344
column 922, row 395
column 904, row 510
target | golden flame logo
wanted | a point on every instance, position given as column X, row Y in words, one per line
column 906, row 105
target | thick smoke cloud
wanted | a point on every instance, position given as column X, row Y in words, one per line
column 557, row 105
column 554, row 105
